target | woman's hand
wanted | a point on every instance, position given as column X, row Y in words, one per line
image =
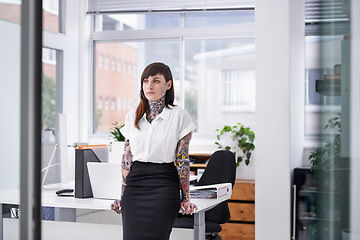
column 116, row 206
column 187, row 207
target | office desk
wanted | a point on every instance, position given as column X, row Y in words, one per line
column 49, row 199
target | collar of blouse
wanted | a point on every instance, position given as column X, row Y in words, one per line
column 165, row 114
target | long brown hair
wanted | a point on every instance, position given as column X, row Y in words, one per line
column 151, row 70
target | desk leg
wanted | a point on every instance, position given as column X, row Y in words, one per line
column 199, row 226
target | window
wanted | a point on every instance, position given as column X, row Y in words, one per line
column 100, row 103
column 203, row 61
column 134, row 68
column 49, row 56
column 219, row 76
column 107, row 62
column 119, row 66
column 52, row 17
column 125, row 67
column 113, row 103
column 52, row 62
column 119, row 104
column 101, row 60
column 125, row 106
column 106, row 107
column 238, row 90
column 113, row 63
column 113, row 84
column 198, row 20
column 51, row 20
column 124, row 22
column 49, row 89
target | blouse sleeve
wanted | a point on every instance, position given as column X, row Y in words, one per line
column 186, row 125
column 128, row 125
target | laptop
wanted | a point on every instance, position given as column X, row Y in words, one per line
column 105, row 180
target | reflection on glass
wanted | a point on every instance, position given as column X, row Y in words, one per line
column 323, row 62
column 323, row 196
column 220, row 82
column 117, row 89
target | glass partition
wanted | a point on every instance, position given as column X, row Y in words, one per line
column 324, row 191
column 10, row 65
column 51, row 106
column 10, row 42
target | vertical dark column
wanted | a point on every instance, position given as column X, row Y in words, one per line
column 30, row 156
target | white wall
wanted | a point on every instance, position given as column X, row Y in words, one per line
column 10, row 105
column 279, row 112
column 69, row 43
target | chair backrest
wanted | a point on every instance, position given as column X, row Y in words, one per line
column 221, row 168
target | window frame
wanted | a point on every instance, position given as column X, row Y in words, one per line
column 180, row 34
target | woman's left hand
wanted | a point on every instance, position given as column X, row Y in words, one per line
column 116, row 206
column 187, row 207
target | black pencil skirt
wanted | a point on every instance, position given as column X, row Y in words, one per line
column 151, row 201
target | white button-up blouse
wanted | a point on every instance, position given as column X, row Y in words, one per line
column 156, row 141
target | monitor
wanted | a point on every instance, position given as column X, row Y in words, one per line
column 59, row 154
column 61, row 139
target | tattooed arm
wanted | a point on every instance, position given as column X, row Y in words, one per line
column 125, row 169
column 182, row 163
column 126, row 164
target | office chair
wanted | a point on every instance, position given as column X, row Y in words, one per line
column 221, row 168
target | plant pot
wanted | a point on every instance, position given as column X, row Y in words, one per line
column 347, row 234
column 116, row 152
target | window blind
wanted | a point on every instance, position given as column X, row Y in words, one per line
column 317, row 10
column 123, row 6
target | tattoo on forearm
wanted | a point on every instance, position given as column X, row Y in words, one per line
column 126, row 163
column 182, row 163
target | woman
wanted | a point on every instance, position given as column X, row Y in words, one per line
column 155, row 160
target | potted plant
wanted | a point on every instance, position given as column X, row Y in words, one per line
column 239, row 139
column 116, row 145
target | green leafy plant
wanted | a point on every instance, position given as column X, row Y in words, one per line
column 115, row 132
column 242, row 141
column 329, row 156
